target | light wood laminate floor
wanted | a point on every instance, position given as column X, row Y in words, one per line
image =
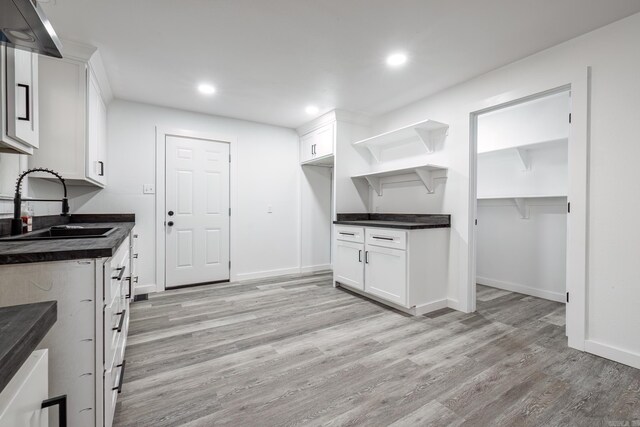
column 296, row 351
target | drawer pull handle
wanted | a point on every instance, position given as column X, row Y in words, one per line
column 119, row 387
column 61, row 401
column 366, row 257
column 360, row 255
column 130, row 279
column 347, row 234
column 119, row 276
column 383, row 238
column 121, row 322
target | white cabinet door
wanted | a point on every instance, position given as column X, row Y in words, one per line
column 63, row 97
column 96, row 132
column 323, row 140
column 386, row 273
column 22, row 96
column 306, row 148
column 21, row 400
column 348, row 264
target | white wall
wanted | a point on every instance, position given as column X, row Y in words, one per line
column 523, row 255
column 268, row 174
column 613, row 231
column 315, row 217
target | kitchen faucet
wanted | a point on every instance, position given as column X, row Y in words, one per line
column 16, row 222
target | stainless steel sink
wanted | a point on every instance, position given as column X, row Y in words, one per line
column 63, row 232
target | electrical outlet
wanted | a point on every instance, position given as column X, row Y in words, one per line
column 149, row 189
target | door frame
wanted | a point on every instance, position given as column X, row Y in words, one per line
column 578, row 194
column 160, row 205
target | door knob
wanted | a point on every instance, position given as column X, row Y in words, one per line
column 170, row 213
column 170, row 223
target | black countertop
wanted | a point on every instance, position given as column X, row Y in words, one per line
column 18, row 252
column 401, row 221
column 22, row 327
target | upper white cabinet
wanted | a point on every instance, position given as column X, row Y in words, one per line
column 19, row 101
column 316, row 147
column 73, row 98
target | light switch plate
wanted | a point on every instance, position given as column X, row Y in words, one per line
column 149, row 189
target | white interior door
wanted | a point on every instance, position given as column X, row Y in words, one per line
column 197, row 211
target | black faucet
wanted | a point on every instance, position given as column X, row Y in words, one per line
column 16, row 222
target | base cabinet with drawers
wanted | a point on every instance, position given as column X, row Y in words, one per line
column 407, row 269
column 86, row 345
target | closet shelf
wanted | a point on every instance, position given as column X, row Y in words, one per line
column 535, row 196
column 427, row 174
column 522, row 151
column 521, row 202
column 428, row 132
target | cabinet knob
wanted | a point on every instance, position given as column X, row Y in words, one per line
column 170, row 223
column 170, row 213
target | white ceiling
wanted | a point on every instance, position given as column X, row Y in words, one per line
column 269, row 59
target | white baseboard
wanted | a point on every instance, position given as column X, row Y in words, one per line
column 522, row 289
column 145, row 289
column 430, row 306
column 315, row 268
column 613, row 353
column 454, row 304
column 267, row 273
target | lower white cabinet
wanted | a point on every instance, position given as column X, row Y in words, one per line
column 86, row 344
column 408, row 269
column 21, row 400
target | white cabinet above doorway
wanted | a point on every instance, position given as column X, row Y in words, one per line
column 316, row 147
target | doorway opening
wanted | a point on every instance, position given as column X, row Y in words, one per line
column 522, row 187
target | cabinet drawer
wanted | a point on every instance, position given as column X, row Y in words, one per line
column 350, row 234
column 113, row 320
column 383, row 237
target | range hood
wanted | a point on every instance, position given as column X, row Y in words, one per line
column 23, row 25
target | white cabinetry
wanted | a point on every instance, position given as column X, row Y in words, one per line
column 406, row 269
column 21, row 400
column 19, row 88
column 73, row 119
column 316, row 147
column 86, row 344
column 348, row 261
column 386, row 273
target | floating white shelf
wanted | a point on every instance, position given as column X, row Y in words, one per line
column 428, row 132
column 521, row 202
column 522, row 151
column 425, row 173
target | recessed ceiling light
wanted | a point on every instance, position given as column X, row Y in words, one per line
column 396, row 59
column 312, row 109
column 206, row 89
